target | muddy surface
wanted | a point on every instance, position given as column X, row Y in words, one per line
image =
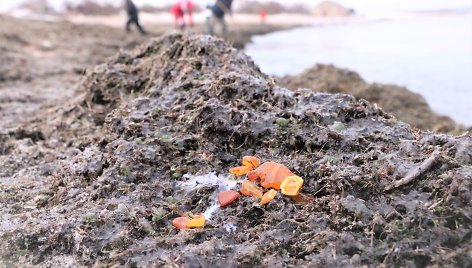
column 150, row 135
column 41, row 62
column 404, row 104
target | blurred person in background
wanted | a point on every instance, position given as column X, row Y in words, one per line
column 179, row 10
column 218, row 11
column 132, row 12
column 263, row 15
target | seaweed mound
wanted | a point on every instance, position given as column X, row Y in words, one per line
column 404, row 104
column 178, row 112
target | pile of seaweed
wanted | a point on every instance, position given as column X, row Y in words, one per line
column 407, row 106
column 171, row 117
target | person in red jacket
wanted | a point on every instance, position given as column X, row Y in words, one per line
column 263, row 15
column 179, row 10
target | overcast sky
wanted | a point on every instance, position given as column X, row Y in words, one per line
column 361, row 6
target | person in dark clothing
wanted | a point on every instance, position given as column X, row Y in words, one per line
column 219, row 10
column 132, row 12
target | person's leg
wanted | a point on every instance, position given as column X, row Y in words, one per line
column 181, row 22
column 136, row 21
column 222, row 23
column 128, row 24
column 210, row 21
column 190, row 18
column 176, row 21
column 224, row 27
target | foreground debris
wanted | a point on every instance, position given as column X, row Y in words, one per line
column 103, row 184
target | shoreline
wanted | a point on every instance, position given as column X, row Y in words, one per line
column 357, row 57
column 105, row 35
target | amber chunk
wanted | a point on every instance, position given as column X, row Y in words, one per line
column 197, row 222
column 250, row 189
column 291, row 185
column 272, row 174
column 227, row 197
column 252, row 175
column 180, row 222
column 251, row 161
column 268, row 196
column 240, row 171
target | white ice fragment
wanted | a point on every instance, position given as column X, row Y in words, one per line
column 224, row 182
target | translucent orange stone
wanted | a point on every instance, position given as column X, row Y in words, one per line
column 180, row 222
column 250, row 189
column 196, row 222
column 268, row 196
column 272, row 174
column 239, row 171
column 252, row 175
column 227, row 197
column 291, row 185
column 251, row 161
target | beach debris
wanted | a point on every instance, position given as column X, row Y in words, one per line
column 271, row 174
column 251, row 161
column 240, row 171
column 192, row 221
column 268, row 196
column 180, row 222
column 249, row 188
column 303, row 198
column 282, row 122
column 197, row 221
column 291, row 185
column 227, row 197
column 356, row 206
column 418, row 171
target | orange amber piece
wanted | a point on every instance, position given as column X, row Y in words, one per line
column 239, row 171
column 251, row 161
column 252, row 175
column 180, row 222
column 250, row 189
column 197, row 222
column 268, row 196
column 272, row 174
column 227, row 197
column 291, row 185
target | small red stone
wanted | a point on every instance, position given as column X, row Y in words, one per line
column 227, row 197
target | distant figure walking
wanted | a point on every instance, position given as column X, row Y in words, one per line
column 179, row 10
column 218, row 10
column 263, row 15
column 132, row 12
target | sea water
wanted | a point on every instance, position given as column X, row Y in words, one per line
column 429, row 54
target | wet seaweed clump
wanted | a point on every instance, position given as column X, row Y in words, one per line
column 406, row 105
column 176, row 114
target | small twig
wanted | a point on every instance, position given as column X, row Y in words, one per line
column 418, row 171
column 436, row 204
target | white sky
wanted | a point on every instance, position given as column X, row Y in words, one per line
column 361, row 6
